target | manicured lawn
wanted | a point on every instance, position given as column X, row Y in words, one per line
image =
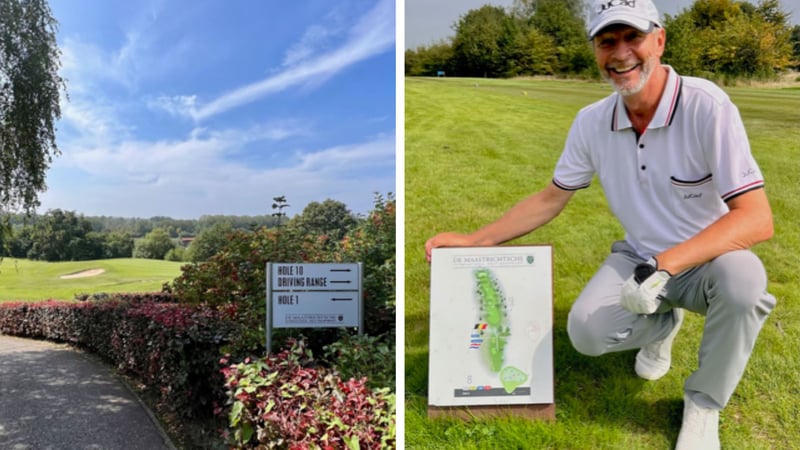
column 475, row 147
column 34, row 280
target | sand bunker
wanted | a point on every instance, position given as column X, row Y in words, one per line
column 83, row 274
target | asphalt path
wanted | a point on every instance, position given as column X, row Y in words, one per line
column 55, row 397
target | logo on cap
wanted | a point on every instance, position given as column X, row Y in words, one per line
column 610, row 4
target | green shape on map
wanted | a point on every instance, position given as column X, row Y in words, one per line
column 511, row 377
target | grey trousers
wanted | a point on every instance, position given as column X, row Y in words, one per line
column 730, row 291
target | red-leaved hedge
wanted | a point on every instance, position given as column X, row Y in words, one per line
column 172, row 349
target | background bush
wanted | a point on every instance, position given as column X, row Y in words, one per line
column 369, row 357
column 235, row 280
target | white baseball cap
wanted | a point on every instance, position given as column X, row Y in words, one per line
column 640, row 14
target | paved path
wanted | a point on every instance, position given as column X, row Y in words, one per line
column 55, row 397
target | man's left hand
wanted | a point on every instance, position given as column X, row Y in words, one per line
column 640, row 292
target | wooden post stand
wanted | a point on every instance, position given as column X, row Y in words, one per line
column 545, row 411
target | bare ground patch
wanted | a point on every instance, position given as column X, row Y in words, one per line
column 83, row 274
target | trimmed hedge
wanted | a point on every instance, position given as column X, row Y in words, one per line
column 172, row 349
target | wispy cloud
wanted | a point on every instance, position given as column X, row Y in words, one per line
column 86, row 65
column 120, row 158
column 200, row 152
column 372, row 34
column 314, row 37
column 196, row 173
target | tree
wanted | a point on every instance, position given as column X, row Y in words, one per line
column 330, row 218
column 728, row 40
column 278, row 205
column 563, row 22
column 527, row 8
column 154, row 245
column 480, row 43
column 209, row 242
column 29, row 100
column 118, row 244
column 771, row 12
column 429, row 61
column 537, row 54
column 63, row 236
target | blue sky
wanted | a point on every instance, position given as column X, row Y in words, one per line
column 182, row 108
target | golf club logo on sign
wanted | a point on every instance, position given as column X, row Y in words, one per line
column 614, row 3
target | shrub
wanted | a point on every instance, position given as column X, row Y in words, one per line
column 236, row 275
column 154, row 245
column 282, row 402
column 235, row 279
column 172, row 349
column 370, row 357
column 373, row 242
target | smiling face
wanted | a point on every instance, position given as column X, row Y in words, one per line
column 626, row 56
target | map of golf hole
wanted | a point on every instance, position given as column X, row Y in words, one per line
column 491, row 326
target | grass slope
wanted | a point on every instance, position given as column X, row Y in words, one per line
column 33, row 280
column 473, row 148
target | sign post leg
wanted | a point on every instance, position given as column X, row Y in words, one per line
column 360, row 299
column 268, row 326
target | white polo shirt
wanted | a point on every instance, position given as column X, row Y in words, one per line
column 673, row 181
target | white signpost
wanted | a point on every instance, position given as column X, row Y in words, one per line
column 314, row 295
column 491, row 331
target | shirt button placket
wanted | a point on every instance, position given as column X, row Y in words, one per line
column 642, row 169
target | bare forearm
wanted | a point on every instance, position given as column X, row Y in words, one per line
column 524, row 217
column 740, row 229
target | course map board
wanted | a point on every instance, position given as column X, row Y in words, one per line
column 491, row 322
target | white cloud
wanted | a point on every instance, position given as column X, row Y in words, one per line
column 176, row 105
column 112, row 163
column 315, row 37
column 309, row 62
column 180, row 178
column 377, row 152
column 85, row 65
column 371, row 35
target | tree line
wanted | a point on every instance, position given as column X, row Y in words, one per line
column 139, row 227
column 69, row 236
column 726, row 39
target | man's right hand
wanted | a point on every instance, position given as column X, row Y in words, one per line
column 447, row 240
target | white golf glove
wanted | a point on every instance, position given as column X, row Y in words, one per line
column 640, row 292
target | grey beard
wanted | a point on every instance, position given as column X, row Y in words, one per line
column 647, row 69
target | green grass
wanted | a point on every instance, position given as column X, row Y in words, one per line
column 33, row 280
column 473, row 148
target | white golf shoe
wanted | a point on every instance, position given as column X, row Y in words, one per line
column 653, row 360
column 700, row 429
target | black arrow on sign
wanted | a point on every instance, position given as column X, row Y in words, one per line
column 341, row 270
column 341, row 299
column 340, row 281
